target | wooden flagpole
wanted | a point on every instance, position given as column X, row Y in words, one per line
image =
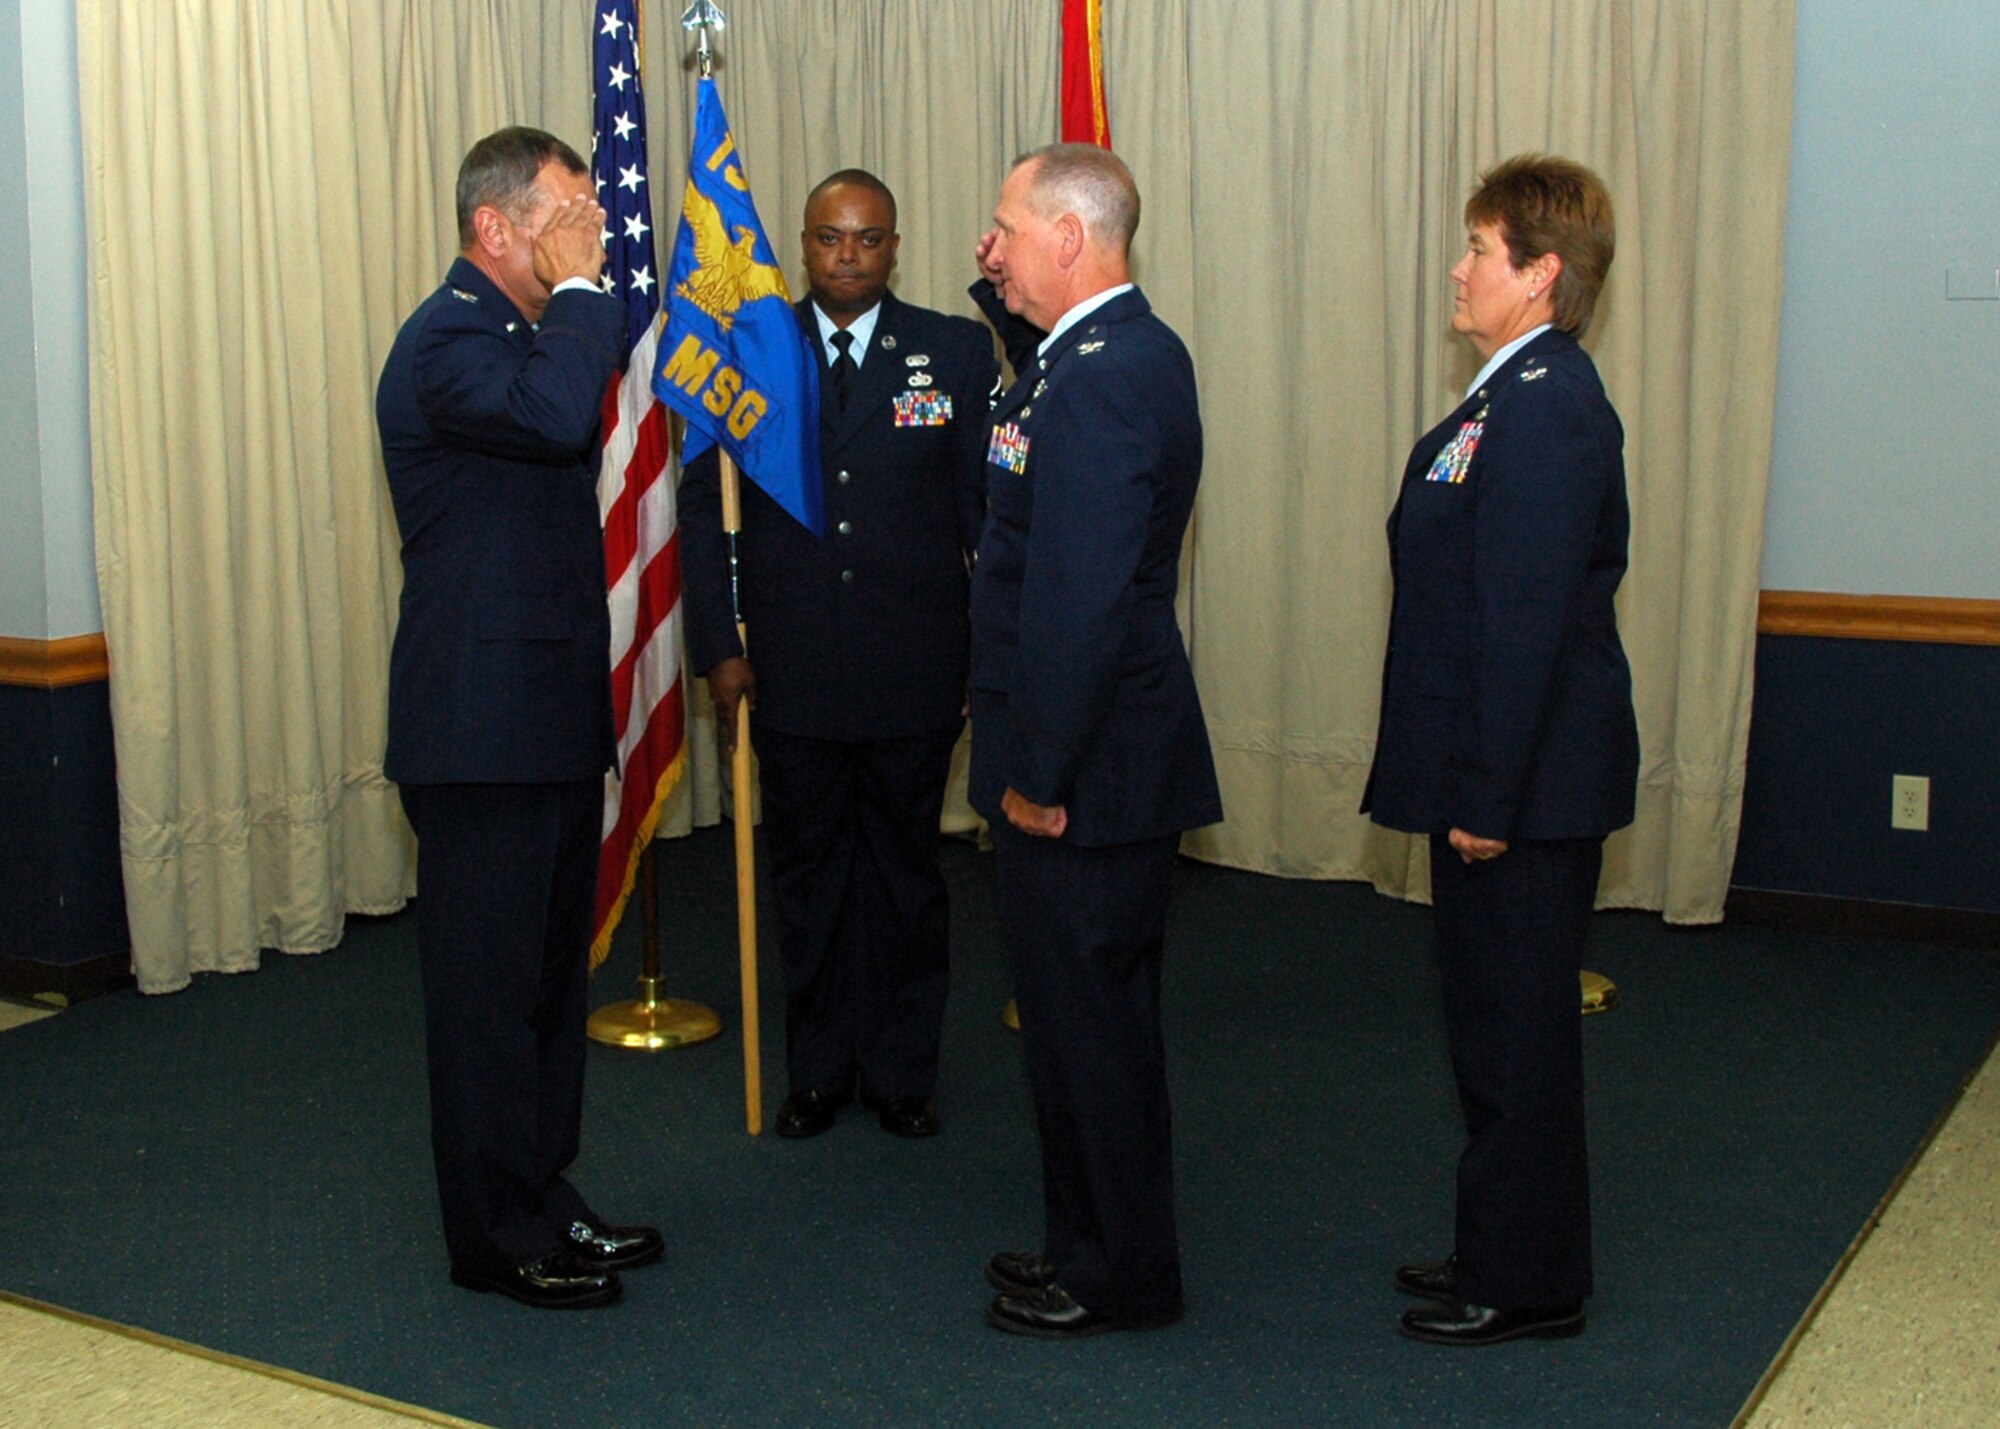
column 746, row 849
column 703, row 18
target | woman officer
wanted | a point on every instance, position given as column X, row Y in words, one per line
column 1508, row 737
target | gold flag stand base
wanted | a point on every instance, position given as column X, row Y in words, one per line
column 1010, row 1016
column 651, row 1023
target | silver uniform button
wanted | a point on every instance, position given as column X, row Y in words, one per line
column 841, row 477
column 847, row 577
column 846, row 528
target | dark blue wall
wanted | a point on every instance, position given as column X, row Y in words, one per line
column 61, row 887
column 1832, row 722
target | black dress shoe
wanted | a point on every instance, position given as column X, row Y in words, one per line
column 905, row 1116
column 1020, row 1272
column 558, row 1281
column 615, row 1247
column 807, row 1113
column 1050, row 1314
column 1461, row 1324
column 1434, row 1280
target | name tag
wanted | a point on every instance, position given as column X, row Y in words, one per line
column 922, row 409
column 1008, row 448
column 1451, row 463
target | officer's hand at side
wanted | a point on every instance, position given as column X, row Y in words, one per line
column 1045, row 821
column 729, row 683
column 1474, row 849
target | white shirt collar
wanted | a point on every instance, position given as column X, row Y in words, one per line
column 862, row 327
column 1498, row 359
column 1078, row 313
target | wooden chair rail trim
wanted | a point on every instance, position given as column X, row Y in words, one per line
column 52, row 664
column 1933, row 620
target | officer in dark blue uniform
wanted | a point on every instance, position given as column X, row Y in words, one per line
column 857, row 666
column 500, row 707
column 1508, row 738
column 1089, row 752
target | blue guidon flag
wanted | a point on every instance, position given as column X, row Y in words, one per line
column 734, row 360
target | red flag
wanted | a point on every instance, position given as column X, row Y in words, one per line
column 642, row 554
column 1084, row 118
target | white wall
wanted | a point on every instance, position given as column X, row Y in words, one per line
column 1885, row 472
column 48, row 576
column 23, row 567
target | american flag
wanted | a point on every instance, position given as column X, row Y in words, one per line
column 642, row 557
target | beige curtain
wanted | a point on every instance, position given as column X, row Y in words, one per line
column 269, row 193
column 268, row 184
column 1304, row 165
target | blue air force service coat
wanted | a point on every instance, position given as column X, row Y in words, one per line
column 1082, row 692
column 500, row 672
column 1506, row 697
column 863, row 635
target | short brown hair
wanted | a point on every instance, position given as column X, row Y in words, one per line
column 1543, row 204
column 500, row 171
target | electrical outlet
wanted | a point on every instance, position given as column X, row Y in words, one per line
column 1910, row 802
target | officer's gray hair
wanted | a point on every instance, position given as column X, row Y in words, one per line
column 1091, row 183
column 500, row 172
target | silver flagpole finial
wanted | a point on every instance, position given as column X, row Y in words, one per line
column 704, row 17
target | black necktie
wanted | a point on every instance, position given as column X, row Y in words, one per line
column 843, row 368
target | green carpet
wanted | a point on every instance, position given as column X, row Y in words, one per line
column 245, row 1165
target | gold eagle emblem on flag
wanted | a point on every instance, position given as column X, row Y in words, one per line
column 726, row 275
